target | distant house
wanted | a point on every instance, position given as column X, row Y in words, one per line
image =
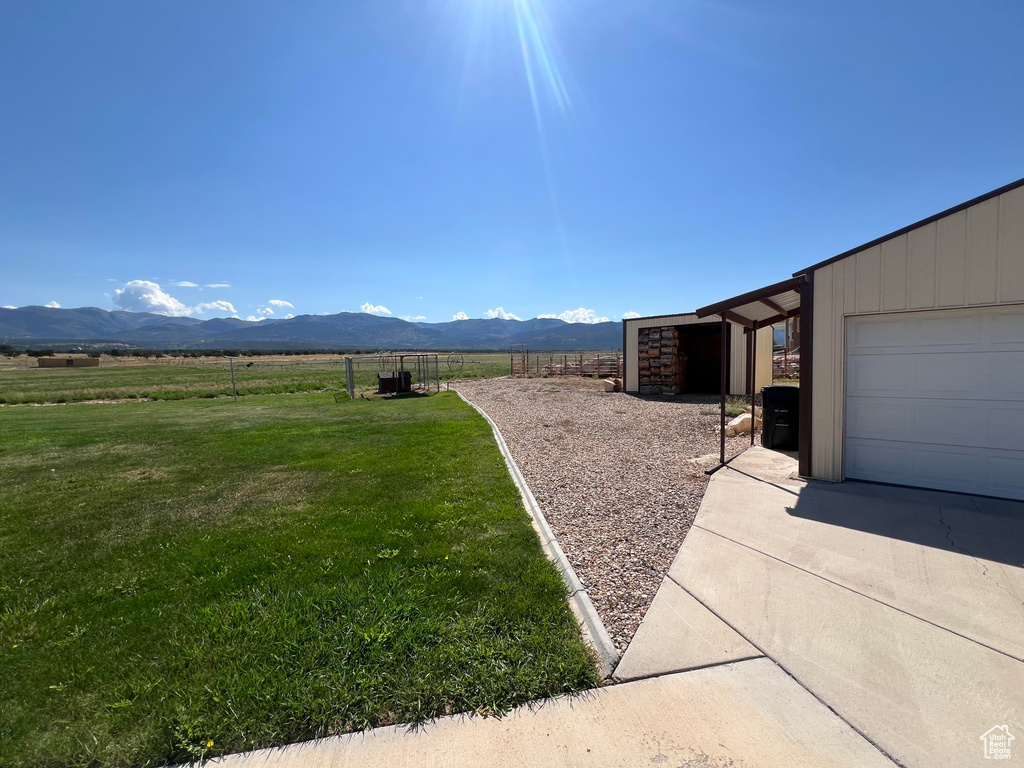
column 912, row 352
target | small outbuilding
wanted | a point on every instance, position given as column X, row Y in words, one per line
column 682, row 355
column 68, row 362
column 912, row 352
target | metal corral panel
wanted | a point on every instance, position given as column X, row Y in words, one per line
column 972, row 257
column 738, row 356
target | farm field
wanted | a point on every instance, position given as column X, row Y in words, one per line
column 184, row 579
column 153, row 381
column 187, row 378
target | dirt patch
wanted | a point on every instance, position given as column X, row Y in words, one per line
column 145, row 473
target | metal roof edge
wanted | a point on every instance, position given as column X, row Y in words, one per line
column 790, row 284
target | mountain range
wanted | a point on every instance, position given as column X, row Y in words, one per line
column 344, row 331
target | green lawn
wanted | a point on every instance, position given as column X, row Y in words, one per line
column 183, row 579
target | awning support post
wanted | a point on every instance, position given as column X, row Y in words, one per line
column 725, row 362
column 753, row 382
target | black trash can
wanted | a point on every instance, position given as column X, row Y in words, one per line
column 781, row 417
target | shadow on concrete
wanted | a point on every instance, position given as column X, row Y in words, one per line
column 978, row 526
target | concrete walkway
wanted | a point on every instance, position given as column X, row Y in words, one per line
column 902, row 610
column 745, row 715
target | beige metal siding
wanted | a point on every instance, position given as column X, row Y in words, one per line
column 630, row 359
column 974, row 257
column 737, row 360
column 765, row 345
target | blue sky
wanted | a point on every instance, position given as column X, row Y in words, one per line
column 333, row 155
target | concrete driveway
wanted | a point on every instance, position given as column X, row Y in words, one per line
column 901, row 610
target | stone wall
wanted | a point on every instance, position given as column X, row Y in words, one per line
column 662, row 367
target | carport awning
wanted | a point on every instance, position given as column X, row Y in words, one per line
column 765, row 306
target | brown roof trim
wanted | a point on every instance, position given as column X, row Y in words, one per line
column 948, row 212
column 792, row 284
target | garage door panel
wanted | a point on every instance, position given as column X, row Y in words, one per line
column 874, row 460
column 881, row 418
column 878, row 375
column 1006, row 378
column 1006, row 476
column 1007, row 328
column 950, row 468
column 954, row 331
column 1006, row 426
column 950, row 422
column 882, row 334
column 943, row 374
column 936, row 399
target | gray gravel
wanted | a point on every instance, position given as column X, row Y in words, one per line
column 619, row 478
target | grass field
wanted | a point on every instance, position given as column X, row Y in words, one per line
column 184, row 579
column 178, row 379
column 164, row 381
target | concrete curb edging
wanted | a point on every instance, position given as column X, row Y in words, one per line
column 594, row 631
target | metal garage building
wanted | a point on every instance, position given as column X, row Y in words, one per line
column 912, row 357
column 699, row 339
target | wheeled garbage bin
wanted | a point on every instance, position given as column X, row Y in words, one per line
column 781, row 416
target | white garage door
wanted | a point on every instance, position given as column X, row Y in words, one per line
column 936, row 399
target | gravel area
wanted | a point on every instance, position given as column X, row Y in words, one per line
column 619, row 478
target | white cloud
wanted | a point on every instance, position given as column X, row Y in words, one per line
column 254, row 319
column 412, row 319
column 147, row 296
column 280, row 303
column 144, row 296
column 218, row 306
column 184, row 284
column 217, row 285
column 580, row 315
column 380, row 309
column 53, row 305
column 7, row 306
column 460, row 316
column 289, row 316
column 630, row 315
column 547, row 317
column 501, row 314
